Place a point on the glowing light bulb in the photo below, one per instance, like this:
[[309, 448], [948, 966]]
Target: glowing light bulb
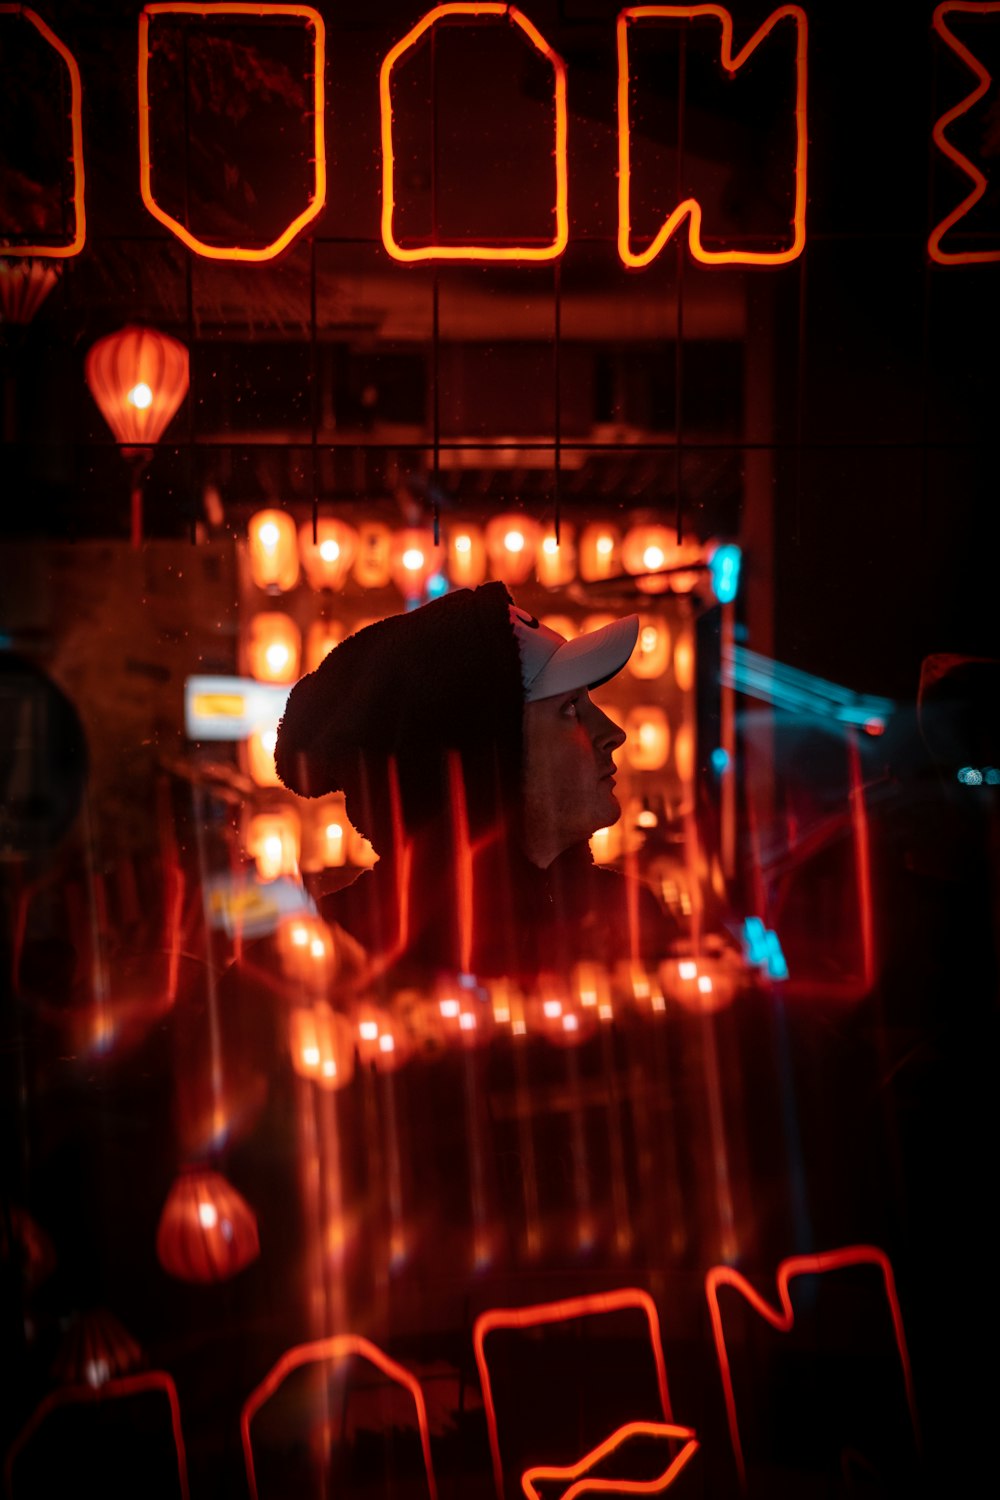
[[570, 1023], [387, 1042], [269, 739], [654, 557], [413, 559], [450, 1008], [310, 1056], [329, 1068], [317, 948], [208, 1215], [268, 535], [705, 984], [605, 545], [272, 848], [552, 1008], [368, 1031], [463, 544], [647, 638], [467, 1021], [329, 550], [686, 969], [514, 541], [550, 545], [141, 396], [277, 656]]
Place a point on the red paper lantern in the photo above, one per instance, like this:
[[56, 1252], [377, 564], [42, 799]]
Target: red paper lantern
[[24, 286], [207, 1231], [138, 377], [95, 1349]]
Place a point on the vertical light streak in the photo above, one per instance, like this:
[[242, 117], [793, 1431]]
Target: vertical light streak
[[717, 1135], [462, 852], [862, 857], [526, 1143]]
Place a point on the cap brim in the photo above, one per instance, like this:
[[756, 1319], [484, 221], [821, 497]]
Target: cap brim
[[588, 660]]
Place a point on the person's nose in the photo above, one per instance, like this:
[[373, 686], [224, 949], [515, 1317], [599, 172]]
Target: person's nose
[[607, 736]]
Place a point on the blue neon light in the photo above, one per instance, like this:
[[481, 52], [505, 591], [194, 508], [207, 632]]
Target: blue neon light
[[724, 566], [437, 585], [800, 692], [762, 949], [720, 760]]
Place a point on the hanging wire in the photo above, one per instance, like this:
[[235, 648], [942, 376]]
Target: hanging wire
[[679, 331]]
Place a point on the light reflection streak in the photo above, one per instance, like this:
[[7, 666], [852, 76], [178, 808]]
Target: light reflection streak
[[717, 1132], [526, 1144]]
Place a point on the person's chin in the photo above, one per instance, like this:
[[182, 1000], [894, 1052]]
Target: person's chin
[[614, 808]]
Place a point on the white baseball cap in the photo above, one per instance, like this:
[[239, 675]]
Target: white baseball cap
[[551, 664]]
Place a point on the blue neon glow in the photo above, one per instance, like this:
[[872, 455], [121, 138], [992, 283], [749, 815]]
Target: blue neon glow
[[991, 776], [799, 692], [762, 949], [720, 760], [437, 585], [969, 776], [724, 566]]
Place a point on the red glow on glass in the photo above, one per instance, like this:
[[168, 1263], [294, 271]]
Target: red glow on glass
[[474, 252], [316, 202], [207, 1230], [610, 1486], [976, 177], [340, 1346], [782, 1317], [60, 252], [561, 1312], [690, 208]]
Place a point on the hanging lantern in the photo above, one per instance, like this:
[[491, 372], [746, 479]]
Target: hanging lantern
[[648, 549], [591, 985], [321, 1043], [321, 637], [652, 648], [648, 742], [684, 663], [600, 546], [466, 556], [207, 1231], [555, 561], [684, 752], [371, 561], [380, 1043], [273, 647], [274, 557], [95, 1349], [138, 377], [326, 834], [24, 286], [561, 624], [261, 745], [272, 842], [306, 950], [327, 560], [512, 541], [413, 559], [596, 622]]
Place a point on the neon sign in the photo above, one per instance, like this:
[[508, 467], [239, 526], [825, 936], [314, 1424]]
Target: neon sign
[[474, 252], [690, 208], [313, 19], [976, 177], [581, 1471], [782, 1317], [60, 252]]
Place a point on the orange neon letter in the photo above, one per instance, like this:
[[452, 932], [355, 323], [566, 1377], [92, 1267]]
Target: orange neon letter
[[579, 1471], [60, 252], [782, 1317], [562, 1312], [474, 252], [311, 18], [691, 208], [978, 180], [340, 1346]]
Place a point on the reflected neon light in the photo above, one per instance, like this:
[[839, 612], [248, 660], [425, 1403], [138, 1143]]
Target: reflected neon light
[[782, 1317], [313, 19], [610, 1486], [561, 1312], [976, 177], [60, 252], [801, 692], [340, 1346], [474, 252], [690, 208]]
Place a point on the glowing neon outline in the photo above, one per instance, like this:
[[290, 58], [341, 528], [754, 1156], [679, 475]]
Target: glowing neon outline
[[318, 200], [122, 1385], [621, 1486], [978, 178], [474, 252], [690, 208], [60, 252], [783, 1318], [561, 1312], [338, 1346]]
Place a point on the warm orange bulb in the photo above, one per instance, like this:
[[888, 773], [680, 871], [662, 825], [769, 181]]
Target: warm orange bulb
[[599, 545], [648, 742], [272, 842], [512, 541], [466, 557], [555, 563], [274, 561], [273, 647], [327, 556]]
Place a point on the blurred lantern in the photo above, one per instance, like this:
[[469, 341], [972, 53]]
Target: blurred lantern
[[321, 638], [555, 562], [466, 556], [413, 557], [599, 551], [274, 557], [325, 835], [207, 1231], [272, 842], [648, 549], [96, 1348], [371, 561], [273, 647], [561, 624], [605, 844], [591, 985], [260, 756], [138, 377], [684, 663], [359, 850], [24, 286], [702, 985], [652, 648], [306, 950], [684, 752], [648, 742], [511, 541], [380, 1042], [321, 1043], [596, 622], [327, 559]]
